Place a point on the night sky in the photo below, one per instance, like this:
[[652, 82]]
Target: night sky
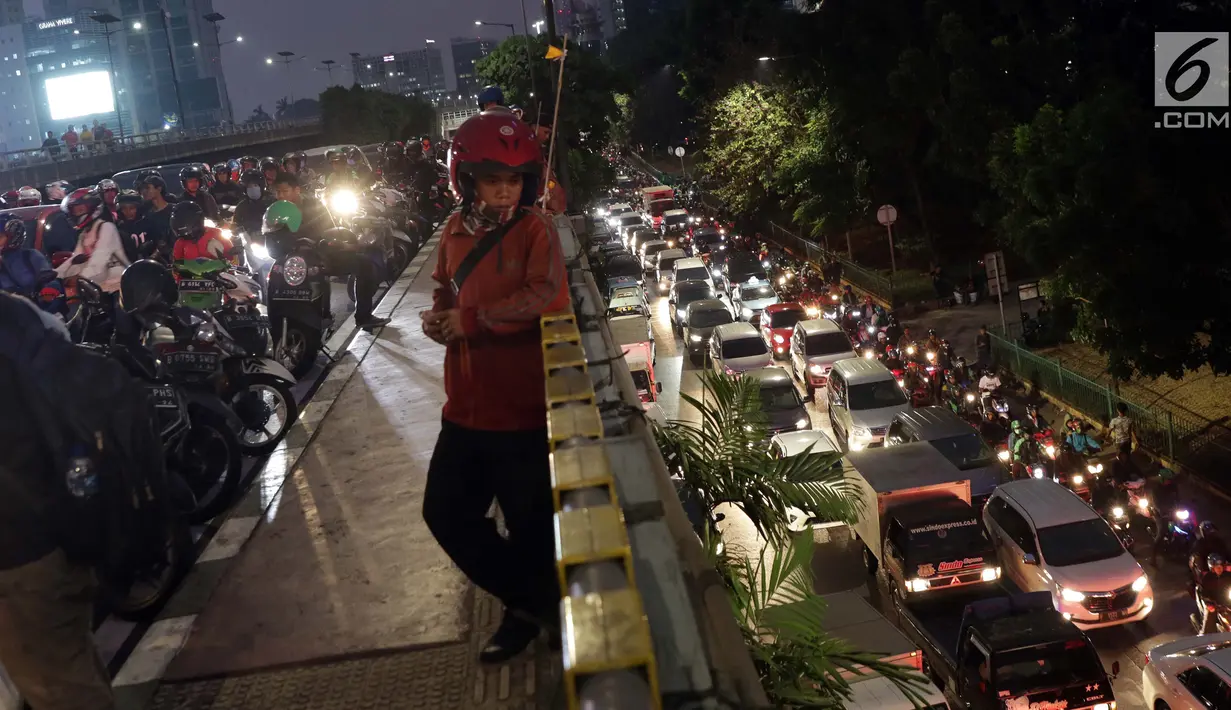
[[338, 28]]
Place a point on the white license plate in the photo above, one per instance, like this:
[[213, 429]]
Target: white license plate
[[291, 294], [199, 285], [184, 360], [163, 397]]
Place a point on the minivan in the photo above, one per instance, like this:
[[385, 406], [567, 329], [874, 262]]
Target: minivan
[[666, 268], [863, 398], [1048, 539], [737, 347], [700, 319], [815, 346], [649, 254], [691, 269], [684, 292]]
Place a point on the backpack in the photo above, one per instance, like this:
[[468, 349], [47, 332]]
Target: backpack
[[87, 404]]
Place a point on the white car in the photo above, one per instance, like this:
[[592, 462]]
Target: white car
[[1192, 673], [1050, 540], [794, 443]]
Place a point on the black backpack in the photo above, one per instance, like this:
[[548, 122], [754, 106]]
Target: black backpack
[[83, 402]]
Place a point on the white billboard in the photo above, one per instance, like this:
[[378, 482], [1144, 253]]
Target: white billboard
[[82, 94]]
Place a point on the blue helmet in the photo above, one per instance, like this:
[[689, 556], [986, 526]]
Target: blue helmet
[[490, 94]]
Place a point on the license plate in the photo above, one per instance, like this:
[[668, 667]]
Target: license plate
[[196, 361], [199, 285], [291, 294], [1113, 616], [241, 320], [163, 397]]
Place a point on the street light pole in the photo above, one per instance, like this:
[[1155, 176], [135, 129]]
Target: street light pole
[[214, 18], [329, 68], [106, 19], [175, 78]]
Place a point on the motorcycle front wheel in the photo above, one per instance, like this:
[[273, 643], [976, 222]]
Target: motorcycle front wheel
[[152, 588], [211, 465], [298, 354], [267, 408]]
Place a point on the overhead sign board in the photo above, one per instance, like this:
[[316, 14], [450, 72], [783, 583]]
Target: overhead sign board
[[51, 24]]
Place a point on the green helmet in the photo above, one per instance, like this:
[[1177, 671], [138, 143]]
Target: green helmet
[[1017, 426], [282, 215], [1165, 473]]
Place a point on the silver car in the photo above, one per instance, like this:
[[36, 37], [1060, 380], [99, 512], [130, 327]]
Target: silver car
[[749, 300]]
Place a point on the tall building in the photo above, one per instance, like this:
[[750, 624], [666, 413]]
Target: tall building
[[418, 71], [19, 126], [11, 12], [70, 74], [466, 52]]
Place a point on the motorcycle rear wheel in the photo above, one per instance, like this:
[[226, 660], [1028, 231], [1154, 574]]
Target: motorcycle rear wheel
[[147, 595], [212, 465]]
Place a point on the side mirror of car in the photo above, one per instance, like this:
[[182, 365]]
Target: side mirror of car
[[1115, 669], [658, 386], [1029, 559]]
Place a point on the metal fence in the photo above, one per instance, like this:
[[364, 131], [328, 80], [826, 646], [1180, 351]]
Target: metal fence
[[858, 276]]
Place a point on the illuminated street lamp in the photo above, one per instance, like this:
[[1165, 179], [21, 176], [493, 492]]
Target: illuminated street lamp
[[136, 25]]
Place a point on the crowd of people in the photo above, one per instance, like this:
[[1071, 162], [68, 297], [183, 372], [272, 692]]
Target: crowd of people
[[91, 139]]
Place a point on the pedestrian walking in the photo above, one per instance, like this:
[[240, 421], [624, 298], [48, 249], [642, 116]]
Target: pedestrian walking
[[1123, 430], [500, 268]]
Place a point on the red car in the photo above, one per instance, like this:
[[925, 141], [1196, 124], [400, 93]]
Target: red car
[[778, 323]]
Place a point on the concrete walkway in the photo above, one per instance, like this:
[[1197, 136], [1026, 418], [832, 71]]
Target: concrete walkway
[[338, 596]]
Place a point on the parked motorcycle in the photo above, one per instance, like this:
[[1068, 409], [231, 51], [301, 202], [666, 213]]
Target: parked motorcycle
[[297, 298]]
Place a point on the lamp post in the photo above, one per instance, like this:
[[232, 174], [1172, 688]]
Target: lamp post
[[526, 35], [175, 77], [106, 19], [214, 18], [286, 59]]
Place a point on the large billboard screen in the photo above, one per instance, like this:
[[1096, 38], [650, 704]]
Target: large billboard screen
[[82, 94]]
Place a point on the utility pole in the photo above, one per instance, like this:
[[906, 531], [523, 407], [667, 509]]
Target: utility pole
[[561, 166], [549, 16], [175, 79]]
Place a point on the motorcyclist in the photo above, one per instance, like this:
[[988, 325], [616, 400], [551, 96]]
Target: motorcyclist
[[393, 162], [99, 255], [128, 220], [934, 344], [250, 212], [1164, 491], [269, 171], [296, 163], [1018, 438], [359, 167], [157, 214], [316, 218], [56, 191], [893, 360], [989, 383], [848, 296], [893, 329], [109, 190], [1081, 441], [906, 342], [491, 97], [224, 190], [193, 178], [992, 429], [21, 269], [30, 196], [1212, 590], [193, 240], [1209, 540], [339, 172]]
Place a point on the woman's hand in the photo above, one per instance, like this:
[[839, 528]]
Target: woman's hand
[[433, 325]]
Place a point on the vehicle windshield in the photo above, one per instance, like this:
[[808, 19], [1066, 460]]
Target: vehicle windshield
[[966, 451], [659, 206], [947, 541], [743, 347], [1053, 665], [1078, 543], [675, 219], [876, 395], [778, 397], [785, 319], [755, 293], [709, 318], [666, 262], [630, 219], [627, 309], [620, 209], [626, 266], [652, 249], [695, 273], [641, 378], [707, 238], [826, 344]]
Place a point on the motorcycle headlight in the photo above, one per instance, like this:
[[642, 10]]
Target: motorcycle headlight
[[1071, 595], [716, 272], [816, 369], [209, 223], [1140, 583], [931, 356], [294, 271], [970, 397], [746, 312], [1051, 451], [869, 354], [902, 384], [259, 251], [344, 202], [1094, 468], [910, 349], [779, 338], [1003, 455], [1143, 503], [207, 333], [781, 280], [227, 234], [833, 297], [765, 264], [1182, 515], [1037, 471], [812, 312], [1078, 479], [1117, 512]]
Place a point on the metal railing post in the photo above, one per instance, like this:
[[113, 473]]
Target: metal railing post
[[1170, 435]]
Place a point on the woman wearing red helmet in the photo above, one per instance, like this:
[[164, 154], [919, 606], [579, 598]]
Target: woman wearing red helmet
[[99, 255], [499, 269]]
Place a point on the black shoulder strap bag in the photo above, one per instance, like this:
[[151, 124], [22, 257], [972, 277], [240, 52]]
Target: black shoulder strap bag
[[481, 249]]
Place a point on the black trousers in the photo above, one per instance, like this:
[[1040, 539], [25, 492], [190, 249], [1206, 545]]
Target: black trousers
[[469, 469], [367, 278]]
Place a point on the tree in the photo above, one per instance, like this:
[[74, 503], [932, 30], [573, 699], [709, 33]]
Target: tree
[[259, 115], [358, 115]]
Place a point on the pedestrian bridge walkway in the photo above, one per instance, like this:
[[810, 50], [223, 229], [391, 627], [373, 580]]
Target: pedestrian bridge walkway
[[325, 589]]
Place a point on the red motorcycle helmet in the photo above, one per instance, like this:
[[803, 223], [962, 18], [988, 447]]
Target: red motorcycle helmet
[[82, 206], [494, 141]]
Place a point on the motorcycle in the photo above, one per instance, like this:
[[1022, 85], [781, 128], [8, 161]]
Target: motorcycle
[[1217, 613], [995, 401], [297, 299], [1115, 510]]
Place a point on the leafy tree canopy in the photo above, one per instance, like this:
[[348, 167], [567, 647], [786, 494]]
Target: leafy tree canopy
[[358, 115]]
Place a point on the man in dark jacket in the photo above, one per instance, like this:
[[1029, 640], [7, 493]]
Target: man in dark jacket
[[250, 212], [316, 217], [223, 190]]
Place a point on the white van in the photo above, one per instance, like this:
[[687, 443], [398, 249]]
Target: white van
[[691, 269], [815, 346], [1049, 540], [863, 398]]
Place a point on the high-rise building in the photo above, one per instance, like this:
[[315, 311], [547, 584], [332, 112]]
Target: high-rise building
[[418, 71], [19, 126], [466, 52], [12, 12]]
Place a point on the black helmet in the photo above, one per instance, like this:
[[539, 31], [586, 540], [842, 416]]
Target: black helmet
[[192, 171], [249, 161], [252, 176], [268, 164], [1207, 528], [353, 153], [414, 149], [931, 331], [1216, 559], [147, 285], [223, 167], [154, 178], [13, 228], [128, 197], [187, 220]]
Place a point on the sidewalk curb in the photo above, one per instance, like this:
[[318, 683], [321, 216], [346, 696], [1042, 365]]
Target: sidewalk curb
[[137, 680]]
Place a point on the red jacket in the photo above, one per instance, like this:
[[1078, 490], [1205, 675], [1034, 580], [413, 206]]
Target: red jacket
[[210, 246], [494, 374]]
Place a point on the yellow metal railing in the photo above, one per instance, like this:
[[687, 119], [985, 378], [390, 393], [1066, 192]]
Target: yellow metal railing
[[606, 635]]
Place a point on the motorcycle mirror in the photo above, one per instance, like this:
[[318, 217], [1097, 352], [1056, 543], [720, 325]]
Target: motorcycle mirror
[[1115, 669]]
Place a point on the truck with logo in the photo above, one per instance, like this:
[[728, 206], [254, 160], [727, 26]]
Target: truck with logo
[[655, 201], [635, 339], [1010, 652]]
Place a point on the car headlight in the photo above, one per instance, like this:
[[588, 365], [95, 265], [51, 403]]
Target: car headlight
[[695, 338], [779, 338], [294, 271], [259, 251], [816, 369], [1003, 455], [917, 585], [860, 432], [1117, 512], [1140, 583], [813, 312], [344, 202], [991, 574], [803, 424], [207, 333], [1078, 479], [1071, 595]]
